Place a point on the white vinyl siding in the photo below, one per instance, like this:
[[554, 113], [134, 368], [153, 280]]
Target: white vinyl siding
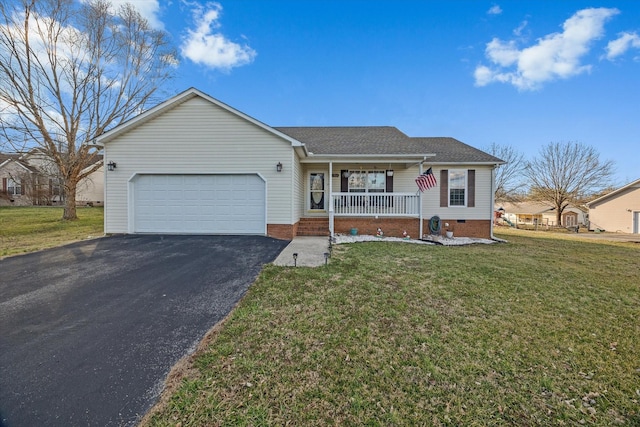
[[482, 209], [298, 189], [198, 137], [404, 182]]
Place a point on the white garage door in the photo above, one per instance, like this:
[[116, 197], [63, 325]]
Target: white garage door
[[199, 204]]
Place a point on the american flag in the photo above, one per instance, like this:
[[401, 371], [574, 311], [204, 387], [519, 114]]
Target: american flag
[[426, 180]]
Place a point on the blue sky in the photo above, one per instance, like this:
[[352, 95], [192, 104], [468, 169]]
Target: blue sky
[[519, 73]]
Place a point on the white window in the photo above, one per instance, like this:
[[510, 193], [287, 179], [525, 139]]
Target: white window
[[457, 187], [367, 181], [14, 188]]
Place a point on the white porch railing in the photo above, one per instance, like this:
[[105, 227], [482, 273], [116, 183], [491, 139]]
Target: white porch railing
[[372, 204]]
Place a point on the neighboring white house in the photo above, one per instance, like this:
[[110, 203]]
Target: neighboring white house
[[541, 214], [31, 179], [195, 165], [618, 211]]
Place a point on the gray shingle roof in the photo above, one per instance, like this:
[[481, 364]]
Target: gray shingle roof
[[383, 140], [6, 156], [349, 140], [451, 150]]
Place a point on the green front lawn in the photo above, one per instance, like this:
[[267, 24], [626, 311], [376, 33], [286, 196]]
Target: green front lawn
[[28, 229], [540, 331]]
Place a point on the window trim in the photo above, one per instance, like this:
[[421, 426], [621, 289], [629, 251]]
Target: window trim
[[15, 189], [382, 189], [465, 187]]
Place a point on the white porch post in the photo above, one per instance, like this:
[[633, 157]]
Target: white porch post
[[331, 233], [420, 202]]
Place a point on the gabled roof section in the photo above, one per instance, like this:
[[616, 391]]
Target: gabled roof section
[[350, 139], [7, 159], [177, 100], [634, 184], [450, 150], [385, 141], [6, 156]]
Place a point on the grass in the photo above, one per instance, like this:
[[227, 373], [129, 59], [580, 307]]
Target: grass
[[541, 331], [28, 229]]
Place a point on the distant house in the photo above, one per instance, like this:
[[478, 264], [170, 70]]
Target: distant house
[[31, 179], [618, 211], [195, 165], [541, 214], [14, 174]]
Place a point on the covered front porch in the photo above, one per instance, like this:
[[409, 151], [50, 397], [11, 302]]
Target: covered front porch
[[365, 191]]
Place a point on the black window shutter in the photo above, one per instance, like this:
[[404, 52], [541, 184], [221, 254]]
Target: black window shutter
[[344, 181], [389, 188], [444, 188], [471, 188]]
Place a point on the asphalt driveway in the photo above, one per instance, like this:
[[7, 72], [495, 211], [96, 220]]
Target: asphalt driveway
[[89, 331]]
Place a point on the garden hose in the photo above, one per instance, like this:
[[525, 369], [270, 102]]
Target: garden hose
[[434, 224]]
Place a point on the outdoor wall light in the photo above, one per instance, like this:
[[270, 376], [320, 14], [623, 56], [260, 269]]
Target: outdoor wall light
[[346, 174], [279, 167], [295, 259], [111, 166], [390, 173]]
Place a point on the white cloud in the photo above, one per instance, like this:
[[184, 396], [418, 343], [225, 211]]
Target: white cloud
[[494, 10], [521, 27], [204, 45], [620, 45], [554, 56]]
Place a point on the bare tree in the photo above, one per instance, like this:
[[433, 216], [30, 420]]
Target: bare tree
[[565, 172], [509, 176], [69, 71]]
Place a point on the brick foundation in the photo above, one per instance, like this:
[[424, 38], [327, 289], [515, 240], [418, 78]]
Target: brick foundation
[[470, 228], [282, 231], [393, 227]]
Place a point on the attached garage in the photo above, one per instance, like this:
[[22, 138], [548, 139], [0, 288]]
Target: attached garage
[[198, 203], [193, 165]]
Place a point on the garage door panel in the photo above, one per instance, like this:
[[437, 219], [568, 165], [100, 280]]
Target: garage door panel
[[199, 204]]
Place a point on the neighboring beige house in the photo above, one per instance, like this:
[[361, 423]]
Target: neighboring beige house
[[90, 190], [195, 165], [618, 211], [14, 174], [542, 214], [30, 179]]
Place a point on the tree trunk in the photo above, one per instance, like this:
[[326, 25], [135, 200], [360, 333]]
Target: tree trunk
[[69, 213], [559, 217]]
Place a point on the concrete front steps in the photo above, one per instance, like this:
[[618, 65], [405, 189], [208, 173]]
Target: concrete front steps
[[313, 227]]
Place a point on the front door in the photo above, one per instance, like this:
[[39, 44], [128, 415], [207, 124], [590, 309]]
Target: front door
[[317, 191]]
